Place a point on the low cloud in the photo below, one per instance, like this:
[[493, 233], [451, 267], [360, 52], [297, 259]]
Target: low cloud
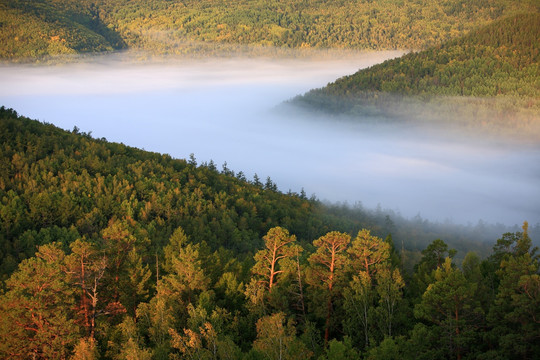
[[223, 109]]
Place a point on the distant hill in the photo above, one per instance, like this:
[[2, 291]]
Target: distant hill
[[33, 29], [499, 63], [500, 59]]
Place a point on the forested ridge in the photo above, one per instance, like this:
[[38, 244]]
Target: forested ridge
[[501, 60], [113, 252], [487, 82], [36, 29]]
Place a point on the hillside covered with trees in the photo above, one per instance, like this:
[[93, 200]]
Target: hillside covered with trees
[[112, 252], [490, 73], [33, 29]]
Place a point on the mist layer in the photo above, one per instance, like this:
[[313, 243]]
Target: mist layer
[[223, 109]]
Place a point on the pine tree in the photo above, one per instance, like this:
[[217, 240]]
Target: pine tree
[[186, 277], [277, 243], [327, 269], [450, 304], [86, 268], [37, 320]]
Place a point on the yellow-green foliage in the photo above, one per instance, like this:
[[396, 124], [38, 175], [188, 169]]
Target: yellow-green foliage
[[491, 74], [295, 23], [500, 59], [30, 30], [164, 26]]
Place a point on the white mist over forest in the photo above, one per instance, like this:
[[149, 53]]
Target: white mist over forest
[[224, 109]]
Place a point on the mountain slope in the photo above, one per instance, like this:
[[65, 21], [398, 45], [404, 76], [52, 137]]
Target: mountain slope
[[31, 30], [48, 27], [112, 252], [500, 59], [496, 67]]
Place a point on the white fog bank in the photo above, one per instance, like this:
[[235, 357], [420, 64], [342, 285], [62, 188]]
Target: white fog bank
[[221, 109]]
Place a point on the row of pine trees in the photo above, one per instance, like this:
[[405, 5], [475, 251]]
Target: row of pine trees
[[338, 298]]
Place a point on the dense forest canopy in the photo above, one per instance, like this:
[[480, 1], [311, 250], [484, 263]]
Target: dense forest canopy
[[112, 252], [502, 58], [490, 75], [34, 29]]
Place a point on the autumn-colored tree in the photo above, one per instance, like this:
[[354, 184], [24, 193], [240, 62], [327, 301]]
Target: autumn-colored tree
[[129, 345], [389, 288], [369, 254], [156, 318], [276, 339], [359, 298], [86, 349], [205, 338]]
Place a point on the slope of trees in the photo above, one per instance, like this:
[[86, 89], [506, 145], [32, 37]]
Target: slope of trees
[[500, 59], [489, 76], [49, 27], [112, 252], [59, 186], [61, 304], [34, 29]]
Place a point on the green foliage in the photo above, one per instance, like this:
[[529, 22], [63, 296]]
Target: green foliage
[[50, 27], [488, 77], [37, 314], [57, 186], [142, 256], [388, 349], [513, 316], [340, 350], [450, 303], [36, 29], [499, 59]]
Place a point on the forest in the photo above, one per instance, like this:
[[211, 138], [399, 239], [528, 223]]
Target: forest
[[112, 252], [497, 64], [36, 30]]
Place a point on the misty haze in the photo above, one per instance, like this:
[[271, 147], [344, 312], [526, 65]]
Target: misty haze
[[224, 110]]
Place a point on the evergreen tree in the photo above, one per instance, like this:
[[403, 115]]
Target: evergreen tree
[[276, 339], [327, 269], [449, 304], [86, 268], [515, 312], [36, 319]]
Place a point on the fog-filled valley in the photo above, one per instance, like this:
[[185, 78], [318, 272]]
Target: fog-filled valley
[[228, 110], [272, 179], [417, 243]]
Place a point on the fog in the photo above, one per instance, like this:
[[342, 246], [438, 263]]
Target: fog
[[224, 109]]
